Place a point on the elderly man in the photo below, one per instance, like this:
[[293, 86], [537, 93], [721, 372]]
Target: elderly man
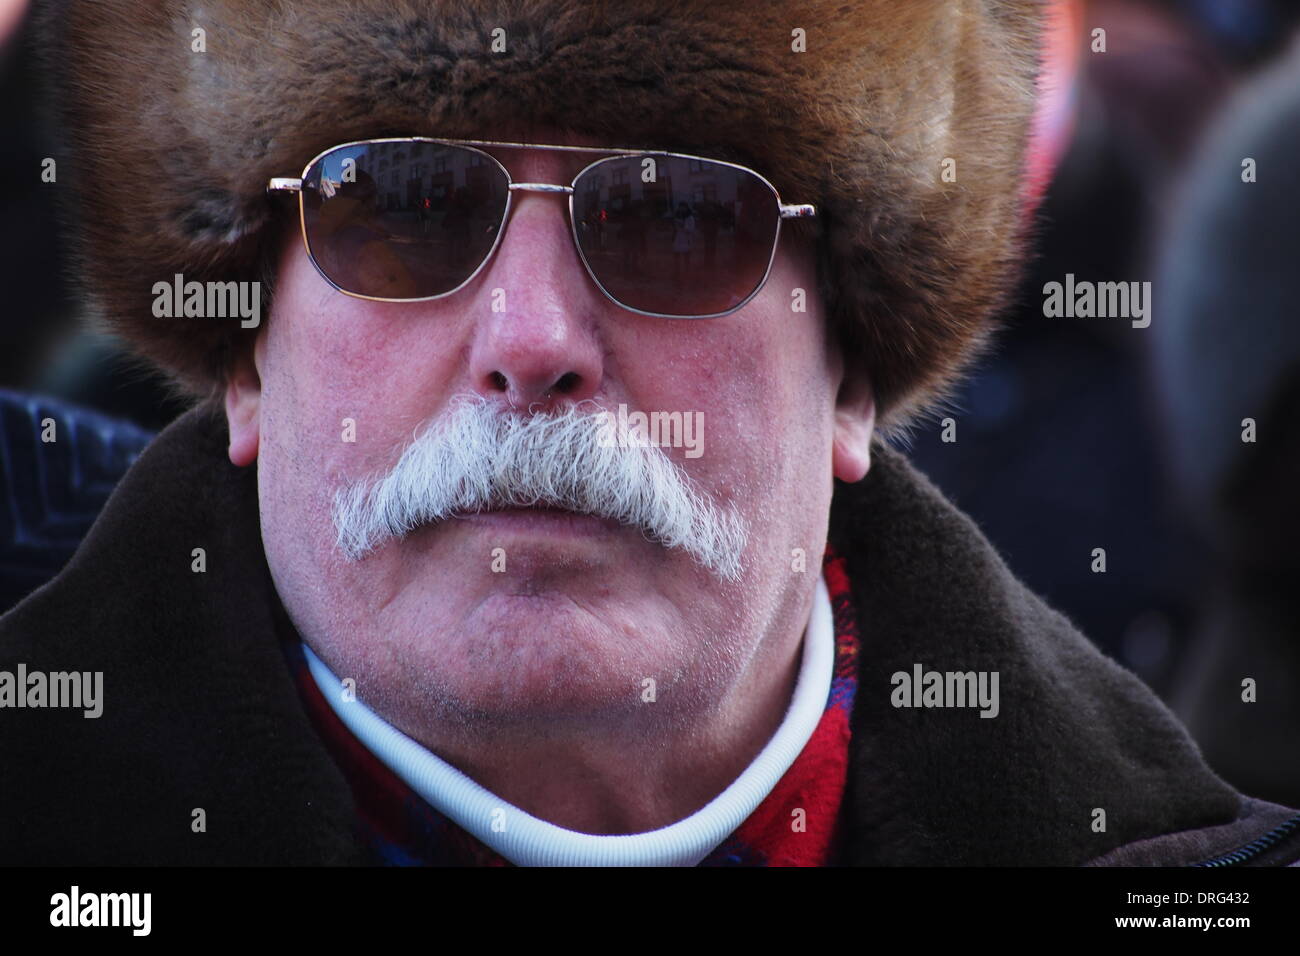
[[510, 531]]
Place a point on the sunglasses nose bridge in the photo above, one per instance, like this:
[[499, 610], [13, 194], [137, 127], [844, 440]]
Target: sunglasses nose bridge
[[556, 189], [559, 189], [540, 242], [540, 188]]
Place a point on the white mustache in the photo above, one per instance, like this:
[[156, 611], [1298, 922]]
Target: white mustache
[[477, 457]]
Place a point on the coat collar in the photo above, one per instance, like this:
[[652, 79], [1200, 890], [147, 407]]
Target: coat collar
[[1076, 735], [201, 711]]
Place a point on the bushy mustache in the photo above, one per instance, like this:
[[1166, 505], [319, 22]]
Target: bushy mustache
[[478, 457]]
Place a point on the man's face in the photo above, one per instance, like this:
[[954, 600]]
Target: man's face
[[521, 617]]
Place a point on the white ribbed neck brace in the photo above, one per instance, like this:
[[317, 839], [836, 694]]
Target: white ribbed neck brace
[[527, 841]]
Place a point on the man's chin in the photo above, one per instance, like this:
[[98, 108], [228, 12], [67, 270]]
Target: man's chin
[[542, 675], [545, 655], [497, 628]]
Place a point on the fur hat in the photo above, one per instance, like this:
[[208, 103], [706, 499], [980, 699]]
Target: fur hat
[[168, 151]]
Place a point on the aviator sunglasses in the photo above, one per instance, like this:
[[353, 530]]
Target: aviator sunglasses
[[662, 234]]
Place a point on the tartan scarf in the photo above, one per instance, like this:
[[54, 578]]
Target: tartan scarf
[[402, 829]]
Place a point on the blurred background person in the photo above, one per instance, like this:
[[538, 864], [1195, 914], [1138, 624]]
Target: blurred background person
[[1227, 362]]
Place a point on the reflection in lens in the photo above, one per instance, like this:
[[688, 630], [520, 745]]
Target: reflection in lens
[[403, 219], [676, 236]]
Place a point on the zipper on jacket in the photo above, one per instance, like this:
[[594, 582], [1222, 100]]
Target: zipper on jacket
[[1255, 847]]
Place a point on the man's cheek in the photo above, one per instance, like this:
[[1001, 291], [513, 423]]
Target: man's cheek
[[349, 359], [329, 343], [303, 456]]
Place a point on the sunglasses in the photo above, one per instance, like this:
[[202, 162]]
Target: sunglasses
[[662, 234]]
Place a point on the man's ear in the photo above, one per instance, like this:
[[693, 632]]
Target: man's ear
[[244, 402], [855, 420]]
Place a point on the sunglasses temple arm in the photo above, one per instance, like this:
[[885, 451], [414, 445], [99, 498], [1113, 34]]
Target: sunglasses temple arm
[[803, 211], [284, 184]]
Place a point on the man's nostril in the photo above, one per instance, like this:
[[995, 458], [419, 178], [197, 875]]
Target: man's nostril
[[567, 382], [499, 381]]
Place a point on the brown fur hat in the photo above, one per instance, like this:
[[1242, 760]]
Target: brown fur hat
[[168, 151]]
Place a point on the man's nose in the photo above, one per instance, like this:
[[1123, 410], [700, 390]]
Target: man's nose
[[537, 339]]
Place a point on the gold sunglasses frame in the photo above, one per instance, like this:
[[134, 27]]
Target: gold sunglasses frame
[[281, 184]]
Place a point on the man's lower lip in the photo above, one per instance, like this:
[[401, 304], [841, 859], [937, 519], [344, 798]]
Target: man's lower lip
[[543, 520]]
